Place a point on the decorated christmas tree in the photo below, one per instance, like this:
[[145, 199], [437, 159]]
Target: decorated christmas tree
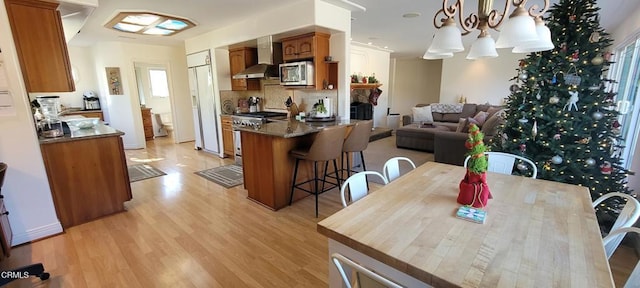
[[560, 113]]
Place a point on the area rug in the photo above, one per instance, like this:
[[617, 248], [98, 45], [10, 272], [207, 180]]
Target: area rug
[[139, 172], [227, 176], [378, 152]]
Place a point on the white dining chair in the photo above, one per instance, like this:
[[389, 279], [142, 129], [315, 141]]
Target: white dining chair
[[634, 278], [357, 185], [391, 168], [627, 217], [502, 163], [363, 276]]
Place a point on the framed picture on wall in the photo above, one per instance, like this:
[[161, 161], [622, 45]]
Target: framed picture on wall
[[114, 80]]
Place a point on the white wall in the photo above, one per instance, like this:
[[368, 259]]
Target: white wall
[[480, 81], [26, 188], [369, 61], [82, 62], [414, 81], [122, 111], [630, 28]]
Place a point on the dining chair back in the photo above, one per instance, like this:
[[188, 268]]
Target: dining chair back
[[363, 276], [357, 185], [391, 168], [502, 163], [627, 217], [634, 277]]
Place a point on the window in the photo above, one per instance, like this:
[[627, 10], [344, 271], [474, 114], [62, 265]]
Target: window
[[626, 70], [159, 84]]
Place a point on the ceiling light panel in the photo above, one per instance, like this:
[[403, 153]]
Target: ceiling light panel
[[148, 23]]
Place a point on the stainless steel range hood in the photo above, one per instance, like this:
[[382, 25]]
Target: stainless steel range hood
[[269, 56]]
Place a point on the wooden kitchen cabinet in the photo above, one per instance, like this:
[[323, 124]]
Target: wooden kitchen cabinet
[[240, 59], [227, 135], [41, 46], [313, 47], [147, 124], [88, 177]]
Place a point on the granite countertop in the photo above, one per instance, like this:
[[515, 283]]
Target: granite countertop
[[97, 131], [294, 128]]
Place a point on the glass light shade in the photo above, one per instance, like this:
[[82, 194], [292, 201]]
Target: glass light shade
[[172, 24], [141, 19], [543, 43], [431, 56], [127, 27], [448, 39], [483, 47], [519, 29]]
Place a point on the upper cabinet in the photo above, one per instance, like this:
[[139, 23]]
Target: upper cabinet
[[313, 47], [40, 43], [240, 59]]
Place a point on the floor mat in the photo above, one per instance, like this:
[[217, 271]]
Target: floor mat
[[139, 172], [227, 176]]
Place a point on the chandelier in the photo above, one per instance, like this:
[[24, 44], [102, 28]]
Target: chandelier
[[524, 30]]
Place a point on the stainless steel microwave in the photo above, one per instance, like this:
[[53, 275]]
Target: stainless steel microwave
[[297, 73]]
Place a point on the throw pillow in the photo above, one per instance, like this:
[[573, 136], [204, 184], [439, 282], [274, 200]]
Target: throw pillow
[[462, 123], [492, 110], [422, 115], [480, 117], [490, 126]]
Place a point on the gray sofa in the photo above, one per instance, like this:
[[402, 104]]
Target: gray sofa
[[441, 137]]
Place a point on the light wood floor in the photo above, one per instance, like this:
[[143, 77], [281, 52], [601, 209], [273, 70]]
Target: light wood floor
[[181, 230]]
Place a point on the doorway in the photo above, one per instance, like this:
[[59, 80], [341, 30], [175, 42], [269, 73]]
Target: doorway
[[154, 93]]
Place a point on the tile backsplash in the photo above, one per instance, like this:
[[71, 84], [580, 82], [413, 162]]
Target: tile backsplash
[[274, 96]]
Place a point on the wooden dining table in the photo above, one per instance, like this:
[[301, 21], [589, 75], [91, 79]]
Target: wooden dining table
[[537, 233]]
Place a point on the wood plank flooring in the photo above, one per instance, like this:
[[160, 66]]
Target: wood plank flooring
[[181, 230]]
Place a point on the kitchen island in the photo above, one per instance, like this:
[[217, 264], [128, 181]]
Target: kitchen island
[[87, 173], [267, 166]]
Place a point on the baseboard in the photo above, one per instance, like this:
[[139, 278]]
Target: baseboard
[[37, 233]]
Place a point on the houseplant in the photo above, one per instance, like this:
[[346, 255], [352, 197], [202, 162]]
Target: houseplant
[[474, 190]]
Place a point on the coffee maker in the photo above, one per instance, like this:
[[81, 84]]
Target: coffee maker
[[91, 101]]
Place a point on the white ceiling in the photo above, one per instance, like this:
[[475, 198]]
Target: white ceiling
[[382, 22]]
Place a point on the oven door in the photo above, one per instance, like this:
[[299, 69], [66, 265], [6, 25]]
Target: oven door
[[237, 147]]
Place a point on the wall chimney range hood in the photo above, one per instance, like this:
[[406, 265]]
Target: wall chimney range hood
[[269, 56]]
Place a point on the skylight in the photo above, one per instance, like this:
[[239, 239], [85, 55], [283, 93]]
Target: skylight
[[148, 23]]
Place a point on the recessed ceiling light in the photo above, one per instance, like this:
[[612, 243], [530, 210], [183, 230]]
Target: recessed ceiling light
[[148, 23], [370, 43], [411, 15], [386, 47]]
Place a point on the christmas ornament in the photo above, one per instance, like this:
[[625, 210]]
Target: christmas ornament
[[522, 167], [597, 115], [598, 60], [554, 100], [523, 75], [514, 88], [522, 63], [606, 168], [556, 137], [538, 96], [572, 78], [523, 147], [575, 56], [616, 127], [595, 37], [572, 102], [607, 55], [556, 159], [534, 129], [590, 162], [547, 166], [572, 18], [523, 120], [554, 80], [563, 47], [584, 141], [594, 88]]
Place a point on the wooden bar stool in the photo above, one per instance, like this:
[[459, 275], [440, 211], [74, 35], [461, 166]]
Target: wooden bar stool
[[323, 149], [357, 141]]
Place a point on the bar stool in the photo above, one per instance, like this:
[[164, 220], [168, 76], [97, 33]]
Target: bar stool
[[324, 149], [357, 141]]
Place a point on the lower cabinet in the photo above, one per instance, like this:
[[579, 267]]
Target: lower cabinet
[[227, 135], [88, 178]]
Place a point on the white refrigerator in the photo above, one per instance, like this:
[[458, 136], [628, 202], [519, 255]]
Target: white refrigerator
[[203, 101]]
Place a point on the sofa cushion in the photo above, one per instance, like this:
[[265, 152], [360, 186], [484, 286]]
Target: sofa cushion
[[437, 116], [492, 110], [422, 115], [462, 123]]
